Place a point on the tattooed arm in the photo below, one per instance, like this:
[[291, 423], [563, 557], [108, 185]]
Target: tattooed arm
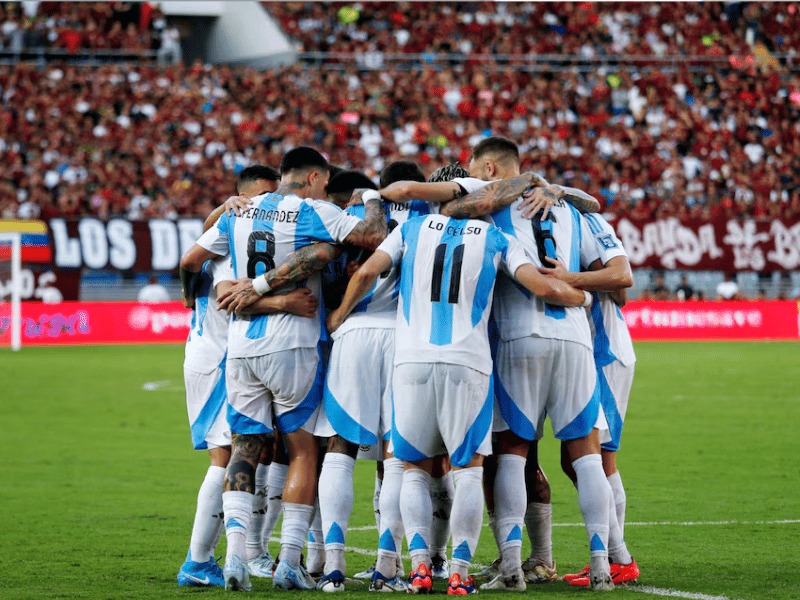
[[301, 264], [371, 231], [542, 198], [491, 198]]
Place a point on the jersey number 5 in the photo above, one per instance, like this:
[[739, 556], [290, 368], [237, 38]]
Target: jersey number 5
[[260, 250], [455, 273]]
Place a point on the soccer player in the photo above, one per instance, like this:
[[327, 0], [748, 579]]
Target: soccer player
[[206, 398], [272, 371], [443, 367], [543, 362], [608, 277], [357, 406]]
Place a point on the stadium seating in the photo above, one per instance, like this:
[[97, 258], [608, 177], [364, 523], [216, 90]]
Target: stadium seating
[[657, 120]]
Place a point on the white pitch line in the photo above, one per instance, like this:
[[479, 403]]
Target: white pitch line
[[674, 523], [672, 593]]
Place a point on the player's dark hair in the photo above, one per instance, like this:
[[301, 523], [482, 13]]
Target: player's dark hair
[[401, 170], [448, 173], [256, 172], [333, 171], [347, 181], [302, 157], [496, 145]]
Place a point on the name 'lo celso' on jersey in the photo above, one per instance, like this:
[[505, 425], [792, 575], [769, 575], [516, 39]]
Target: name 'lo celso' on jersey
[[448, 273], [264, 236]]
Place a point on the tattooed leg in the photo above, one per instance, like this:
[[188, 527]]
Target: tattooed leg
[[241, 473]]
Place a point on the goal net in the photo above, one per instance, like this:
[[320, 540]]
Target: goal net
[[10, 287]]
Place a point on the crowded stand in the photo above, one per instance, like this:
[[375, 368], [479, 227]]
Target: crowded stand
[[715, 134]]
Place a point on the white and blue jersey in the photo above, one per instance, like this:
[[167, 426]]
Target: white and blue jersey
[[379, 307], [612, 340], [562, 236], [204, 363], [448, 274], [264, 236]]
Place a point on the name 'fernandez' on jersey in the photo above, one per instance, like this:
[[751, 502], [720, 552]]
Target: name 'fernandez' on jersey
[[449, 268], [275, 227]]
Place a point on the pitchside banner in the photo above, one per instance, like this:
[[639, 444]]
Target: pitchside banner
[[719, 245], [85, 323]]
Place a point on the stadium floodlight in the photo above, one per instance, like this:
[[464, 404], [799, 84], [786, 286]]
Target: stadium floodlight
[[11, 251]]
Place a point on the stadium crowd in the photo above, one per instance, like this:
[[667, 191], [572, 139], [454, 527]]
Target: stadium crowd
[[693, 139]]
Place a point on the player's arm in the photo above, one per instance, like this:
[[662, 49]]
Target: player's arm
[[490, 198], [371, 231], [550, 289], [545, 196], [360, 283], [299, 302], [190, 267], [615, 275], [405, 191], [300, 265]]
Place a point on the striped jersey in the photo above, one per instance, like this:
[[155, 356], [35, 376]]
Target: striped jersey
[[448, 272], [264, 236], [612, 340], [563, 236], [208, 336], [378, 309]]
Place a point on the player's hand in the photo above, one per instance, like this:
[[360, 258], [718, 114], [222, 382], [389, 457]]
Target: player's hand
[[239, 296], [187, 302], [356, 198], [236, 204], [539, 198], [300, 302], [335, 320], [557, 270]]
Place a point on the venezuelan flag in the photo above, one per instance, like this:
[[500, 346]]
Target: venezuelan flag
[[35, 241]]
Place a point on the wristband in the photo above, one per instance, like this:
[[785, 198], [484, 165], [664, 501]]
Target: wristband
[[587, 299], [370, 195], [191, 282], [260, 285]]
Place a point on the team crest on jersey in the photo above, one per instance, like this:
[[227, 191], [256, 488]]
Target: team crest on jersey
[[607, 241]]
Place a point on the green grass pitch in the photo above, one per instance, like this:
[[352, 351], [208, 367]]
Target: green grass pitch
[[99, 480]]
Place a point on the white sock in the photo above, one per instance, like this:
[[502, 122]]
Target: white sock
[[539, 523], [254, 543], [615, 481], [442, 492], [391, 536], [208, 516], [276, 479], [376, 499], [617, 550], [296, 521], [336, 506], [417, 512], [594, 498], [509, 509], [316, 543], [466, 517], [238, 507]]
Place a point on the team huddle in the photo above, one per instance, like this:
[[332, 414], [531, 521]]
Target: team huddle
[[436, 323]]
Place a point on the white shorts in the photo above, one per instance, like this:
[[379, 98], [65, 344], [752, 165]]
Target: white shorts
[[357, 401], [281, 389], [441, 409], [206, 403], [614, 381], [534, 375]]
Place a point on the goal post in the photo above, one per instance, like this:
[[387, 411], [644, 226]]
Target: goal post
[[11, 284]]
